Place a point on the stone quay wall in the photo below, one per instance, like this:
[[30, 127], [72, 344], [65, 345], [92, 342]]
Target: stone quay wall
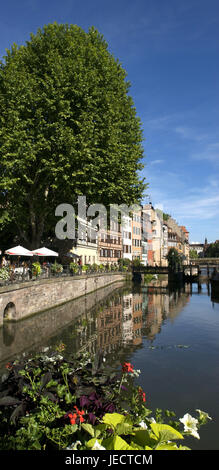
[[42, 328], [21, 300]]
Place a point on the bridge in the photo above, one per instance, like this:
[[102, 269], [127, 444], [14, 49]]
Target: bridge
[[212, 262], [150, 269], [186, 272], [193, 269]]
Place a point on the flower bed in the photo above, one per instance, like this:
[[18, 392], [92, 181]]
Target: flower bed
[[49, 403]]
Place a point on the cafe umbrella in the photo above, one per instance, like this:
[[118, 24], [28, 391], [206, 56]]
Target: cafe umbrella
[[18, 251], [44, 252]]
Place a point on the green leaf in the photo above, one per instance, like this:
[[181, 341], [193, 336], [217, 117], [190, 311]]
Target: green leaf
[[116, 443], [113, 419], [124, 428], [144, 438], [164, 432], [167, 446], [183, 448], [89, 428], [91, 442]]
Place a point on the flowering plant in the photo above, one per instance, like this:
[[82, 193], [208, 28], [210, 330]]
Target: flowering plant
[[82, 404]]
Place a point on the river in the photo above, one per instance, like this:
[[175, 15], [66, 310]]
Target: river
[[172, 336]]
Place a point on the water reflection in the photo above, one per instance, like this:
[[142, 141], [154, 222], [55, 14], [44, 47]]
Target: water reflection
[[110, 320]]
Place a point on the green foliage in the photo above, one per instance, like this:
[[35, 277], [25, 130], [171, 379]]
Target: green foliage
[[55, 406], [56, 268], [4, 273], [166, 216], [74, 267], [212, 251], [85, 267], [101, 267], [149, 277], [174, 259], [193, 254], [36, 269], [68, 127], [94, 268]]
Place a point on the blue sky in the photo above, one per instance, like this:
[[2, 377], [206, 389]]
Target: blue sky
[[170, 50]]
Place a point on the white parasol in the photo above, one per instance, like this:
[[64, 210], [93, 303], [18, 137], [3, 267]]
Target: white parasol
[[44, 252], [18, 251]]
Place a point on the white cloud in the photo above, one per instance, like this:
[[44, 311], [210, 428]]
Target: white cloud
[[209, 153], [156, 162], [189, 133]]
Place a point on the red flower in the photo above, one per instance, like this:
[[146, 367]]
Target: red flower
[[75, 416], [127, 367], [9, 365], [142, 394]]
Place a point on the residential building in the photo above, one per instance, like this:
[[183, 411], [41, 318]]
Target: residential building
[[155, 235], [186, 248], [165, 244], [147, 236], [198, 247], [110, 244], [146, 226], [178, 238], [136, 236], [87, 246], [127, 237]]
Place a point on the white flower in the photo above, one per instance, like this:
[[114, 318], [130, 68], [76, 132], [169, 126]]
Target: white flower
[[203, 416], [152, 420], [143, 425], [97, 446], [136, 372], [190, 425], [59, 357], [194, 433], [74, 445]]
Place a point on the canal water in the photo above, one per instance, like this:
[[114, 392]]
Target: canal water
[[171, 335]]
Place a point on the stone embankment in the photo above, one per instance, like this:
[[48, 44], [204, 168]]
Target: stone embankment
[[18, 301]]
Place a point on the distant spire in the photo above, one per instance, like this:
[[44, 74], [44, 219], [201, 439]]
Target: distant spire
[[206, 241]]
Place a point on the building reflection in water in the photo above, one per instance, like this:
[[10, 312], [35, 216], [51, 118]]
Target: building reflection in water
[[110, 323], [126, 318]]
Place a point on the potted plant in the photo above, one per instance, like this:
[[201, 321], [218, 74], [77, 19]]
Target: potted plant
[[56, 268], [4, 273], [36, 269], [85, 268], [74, 268]]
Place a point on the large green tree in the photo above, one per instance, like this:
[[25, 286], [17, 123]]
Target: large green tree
[[68, 127]]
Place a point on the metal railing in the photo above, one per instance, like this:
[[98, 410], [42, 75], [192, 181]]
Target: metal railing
[[20, 275]]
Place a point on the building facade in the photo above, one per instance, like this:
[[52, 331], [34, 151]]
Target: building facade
[[110, 248], [87, 246], [127, 237], [136, 236]]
